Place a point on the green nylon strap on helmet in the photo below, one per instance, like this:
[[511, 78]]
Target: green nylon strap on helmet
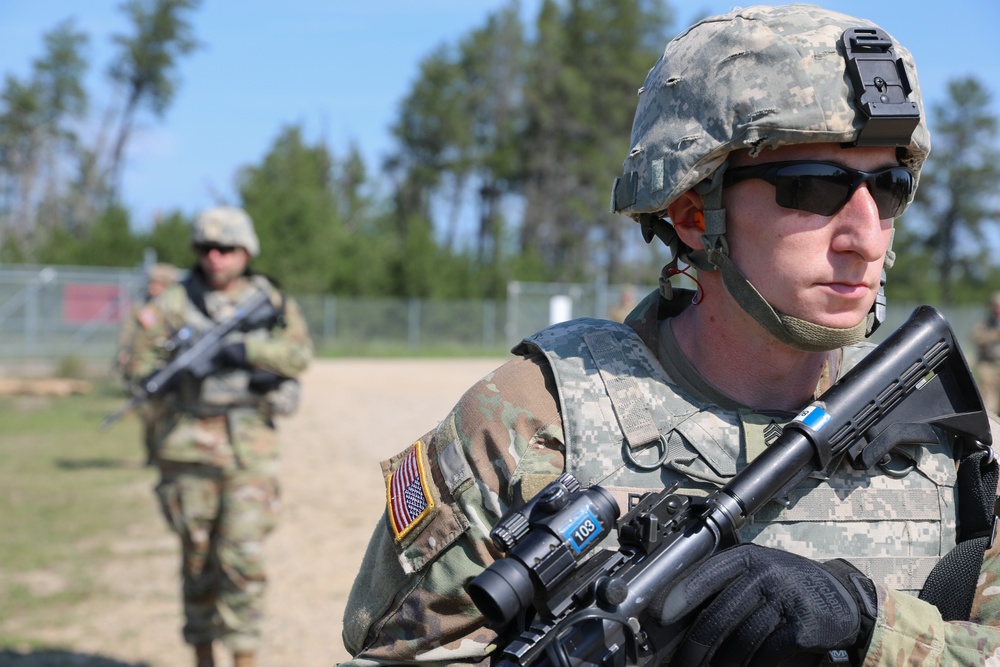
[[714, 238], [791, 331]]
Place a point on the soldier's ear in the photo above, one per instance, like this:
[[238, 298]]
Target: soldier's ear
[[687, 217]]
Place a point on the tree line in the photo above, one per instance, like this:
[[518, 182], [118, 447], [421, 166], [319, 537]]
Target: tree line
[[505, 146]]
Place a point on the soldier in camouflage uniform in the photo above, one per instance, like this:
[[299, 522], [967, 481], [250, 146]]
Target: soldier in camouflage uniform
[[754, 160], [158, 278], [215, 441], [986, 336]]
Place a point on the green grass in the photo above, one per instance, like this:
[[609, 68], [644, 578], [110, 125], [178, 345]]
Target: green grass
[[66, 491]]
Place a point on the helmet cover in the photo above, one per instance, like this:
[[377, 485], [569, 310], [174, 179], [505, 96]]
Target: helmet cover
[[755, 78], [226, 225], [166, 274]]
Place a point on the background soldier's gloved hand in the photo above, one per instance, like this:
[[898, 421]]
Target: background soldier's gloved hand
[[751, 605], [232, 355]]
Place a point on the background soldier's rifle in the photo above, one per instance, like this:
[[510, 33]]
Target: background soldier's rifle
[[195, 354], [553, 606]]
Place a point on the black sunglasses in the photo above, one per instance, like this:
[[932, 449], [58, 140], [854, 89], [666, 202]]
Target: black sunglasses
[[204, 249], [824, 187]]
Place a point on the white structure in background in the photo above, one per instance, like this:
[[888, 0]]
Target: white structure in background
[[560, 308]]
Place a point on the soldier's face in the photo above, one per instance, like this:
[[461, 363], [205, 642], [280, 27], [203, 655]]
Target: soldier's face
[[221, 264], [823, 269], [155, 288]]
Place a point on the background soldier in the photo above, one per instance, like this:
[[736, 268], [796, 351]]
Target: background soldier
[[215, 440], [158, 278], [986, 336], [754, 158], [626, 302]]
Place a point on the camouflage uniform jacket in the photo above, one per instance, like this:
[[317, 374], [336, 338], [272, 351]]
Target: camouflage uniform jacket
[[505, 440], [223, 420], [986, 336]]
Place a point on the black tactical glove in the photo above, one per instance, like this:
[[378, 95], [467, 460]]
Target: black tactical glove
[[232, 355], [751, 605]]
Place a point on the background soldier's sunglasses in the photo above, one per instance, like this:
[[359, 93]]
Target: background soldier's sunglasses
[[824, 187], [205, 248]]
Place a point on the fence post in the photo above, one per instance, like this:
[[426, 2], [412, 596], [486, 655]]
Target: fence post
[[128, 296], [602, 304], [511, 326], [489, 323], [329, 318], [31, 314], [413, 324], [32, 295]]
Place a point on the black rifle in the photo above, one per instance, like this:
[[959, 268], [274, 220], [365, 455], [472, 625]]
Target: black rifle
[[576, 611], [195, 354]]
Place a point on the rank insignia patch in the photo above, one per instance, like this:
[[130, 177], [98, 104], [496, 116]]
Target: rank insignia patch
[[408, 497], [771, 433]]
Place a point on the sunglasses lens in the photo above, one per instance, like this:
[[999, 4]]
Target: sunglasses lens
[[825, 188], [221, 249], [816, 188], [892, 192]]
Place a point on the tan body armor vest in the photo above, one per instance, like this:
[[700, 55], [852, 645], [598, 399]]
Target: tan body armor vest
[[629, 428]]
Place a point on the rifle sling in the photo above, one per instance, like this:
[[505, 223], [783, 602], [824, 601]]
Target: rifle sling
[[195, 288], [951, 586]]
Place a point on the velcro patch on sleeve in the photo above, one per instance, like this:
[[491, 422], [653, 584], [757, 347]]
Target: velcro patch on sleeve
[[408, 495]]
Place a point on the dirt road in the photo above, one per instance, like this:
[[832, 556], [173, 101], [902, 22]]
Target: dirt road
[[354, 414]]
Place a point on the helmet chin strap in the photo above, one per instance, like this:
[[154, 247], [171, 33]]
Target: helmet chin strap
[[791, 331]]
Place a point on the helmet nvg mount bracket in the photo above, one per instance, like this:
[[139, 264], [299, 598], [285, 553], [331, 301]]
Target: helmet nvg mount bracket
[[881, 88]]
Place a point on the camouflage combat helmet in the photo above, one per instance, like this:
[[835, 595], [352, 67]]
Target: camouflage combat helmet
[[226, 225], [162, 273], [758, 78]]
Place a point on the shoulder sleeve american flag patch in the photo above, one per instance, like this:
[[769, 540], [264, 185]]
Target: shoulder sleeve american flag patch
[[408, 498]]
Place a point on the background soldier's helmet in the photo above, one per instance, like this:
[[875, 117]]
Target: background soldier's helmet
[[226, 225], [754, 78], [166, 274]]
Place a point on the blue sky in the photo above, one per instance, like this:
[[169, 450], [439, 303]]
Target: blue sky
[[341, 68]]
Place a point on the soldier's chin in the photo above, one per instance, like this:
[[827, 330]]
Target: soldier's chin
[[217, 280]]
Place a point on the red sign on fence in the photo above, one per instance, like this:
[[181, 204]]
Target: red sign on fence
[[84, 303]]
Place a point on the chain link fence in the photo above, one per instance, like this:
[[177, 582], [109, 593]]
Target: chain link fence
[[52, 313]]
